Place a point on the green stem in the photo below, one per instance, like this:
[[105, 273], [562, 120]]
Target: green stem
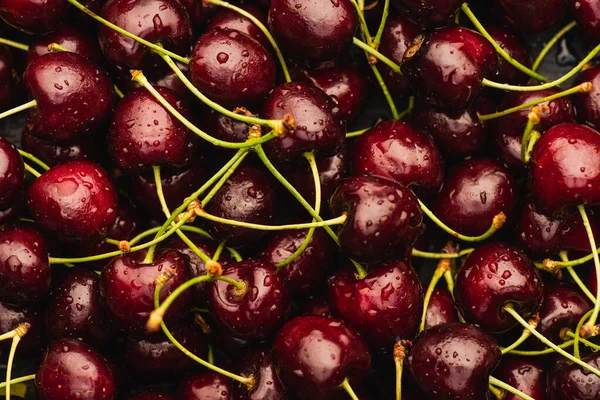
[[118, 92], [524, 336], [551, 44], [346, 386], [33, 158], [236, 254], [112, 241], [219, 250], [22, 107], [356, 133], [536, 353], [222, 181], [534, 136], [563, 256], [510, 389], [393, 66], [153, 231], [496, 392], [318, 224], [32, 171], [409, 108], [586, 223], [450, 284], [9, 363], [437, 275], [386, 92], [164, 307], [57, 47], [384, 17], [425, 254], [22, 379], [14, 44], [399, 364]]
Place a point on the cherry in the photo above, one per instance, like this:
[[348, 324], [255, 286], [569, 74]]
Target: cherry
[[564, 169], [74, 308], [56, 153], [318, 123], [225, 128], [400, 151], [231, 68], [441, 309], [567, 380], [70, 38], [492, 276], [161, 21], [206, 386], [247, 196], [429, 13], [384, 306], [311, 267], [474, 192], [267, 385], [12, 316], [532, 16], [143, 133], [256, 310], [74, 201], [232, 20], [127, 288], [24, 268], [199, 12], [7, 86], [315, 354], [453, 361], [151, 395], [32, 16], [313, 30], [574, 235], [588, 111], [12, 172], [384, 218], [587, 14], [526, 374], [515, 48], [455, 52], [538, 235], [72, 370]]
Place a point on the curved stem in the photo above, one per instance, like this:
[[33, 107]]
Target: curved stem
[[577, 337], [14, 44], [32, 171], [425, 254], [465, 8], [9, 363], [236, 254], [22, 107], [393, 66], [222, 181], [153, 231], [318, 224], [563, 256], [443, 266], [386, 92], [551, 44], [497, 223], [346, 386], [534, 136], [218, 251], [118, 92], [508, 388], [384, 17], [356, 133], [498, 393], [524, 336], [409, 107], [536, 353], [21, 379], [33, 158], [590, 324], [587, 343]]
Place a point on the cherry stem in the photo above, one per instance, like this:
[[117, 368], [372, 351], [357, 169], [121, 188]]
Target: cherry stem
[[465, 8], [158, 49], [577, 337], [409, 107], [533, 323], [118, 92], [236, 254], [534, 136], [33, 158], [551, 265], [508, 388], [509, 309], [310, 157], [551, 44], [222, 181], [263, 29], [533, 118], [57, 47], [153, 231], [356, 133], [19, 332], [581, 88], [498, 393], [536, 353], [218, 251], [21, 379], [450, 285], [14, 44], [386, 92], [138, 76], [393, 66], [497, 223], [384, 17], [112, 241], [425, 254], [399, 356], [590, 328], [563, 256], [22, 107], [442, 267], [31, 170], [346, 386]]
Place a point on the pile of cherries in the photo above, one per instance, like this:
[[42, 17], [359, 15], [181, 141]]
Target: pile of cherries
[[190, 217]]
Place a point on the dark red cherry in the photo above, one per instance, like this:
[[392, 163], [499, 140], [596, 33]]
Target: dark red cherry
[[508, 130], [473, 193], [7, 86], [441, 309], [587, 15], [74, 97], [567, 380], [232, 20], [538, 235], [74, 202], [72, 370], [199, 12], [161, 21], [515, 48], [258, 309], [267, 384], [574, 234], [12, 173], [565, 169], [384, 218], [313, 30], [151, 395], [225, 128], [384, 306], [531, 16], [11, 316], [311, 267], [248, 196], [400, 151], [492, 276], [206, 386], [33, 16], [24, 268], [588, 104], [429, 13], [445, 69], [231, 68], [56, 153], [127, 288], [318, 123], [70, 38], [74, 308], [315, 354], [398, 35], [453, 361], [526, 374]]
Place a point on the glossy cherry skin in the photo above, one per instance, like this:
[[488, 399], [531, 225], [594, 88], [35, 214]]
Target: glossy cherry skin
[[72, 370], [143, 133], [12, 172], [453, 361], [32, 16], [398, 35], [24, 268], [526, 374], [154, 20], [231, 68], [315, 354], [74, 308], [445, 68], [249, 196], [74, 202], [567, 380], [56, 153], [313, 30], [151, 395], [74, 97], [206, 386], [537, 234], [514, 46], [11, 316], [8, 89], [473, 193], [267, 384], [441, 309], [531, 16], [492, 276], [429, 13], [311, 267], [384, 218], [565, 169], [383, 307], [232, 20], [574, 235], [587, 15], [588, 104], [127, 288], [318, 124], [399, 151], [257, 312], [70, 38]]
